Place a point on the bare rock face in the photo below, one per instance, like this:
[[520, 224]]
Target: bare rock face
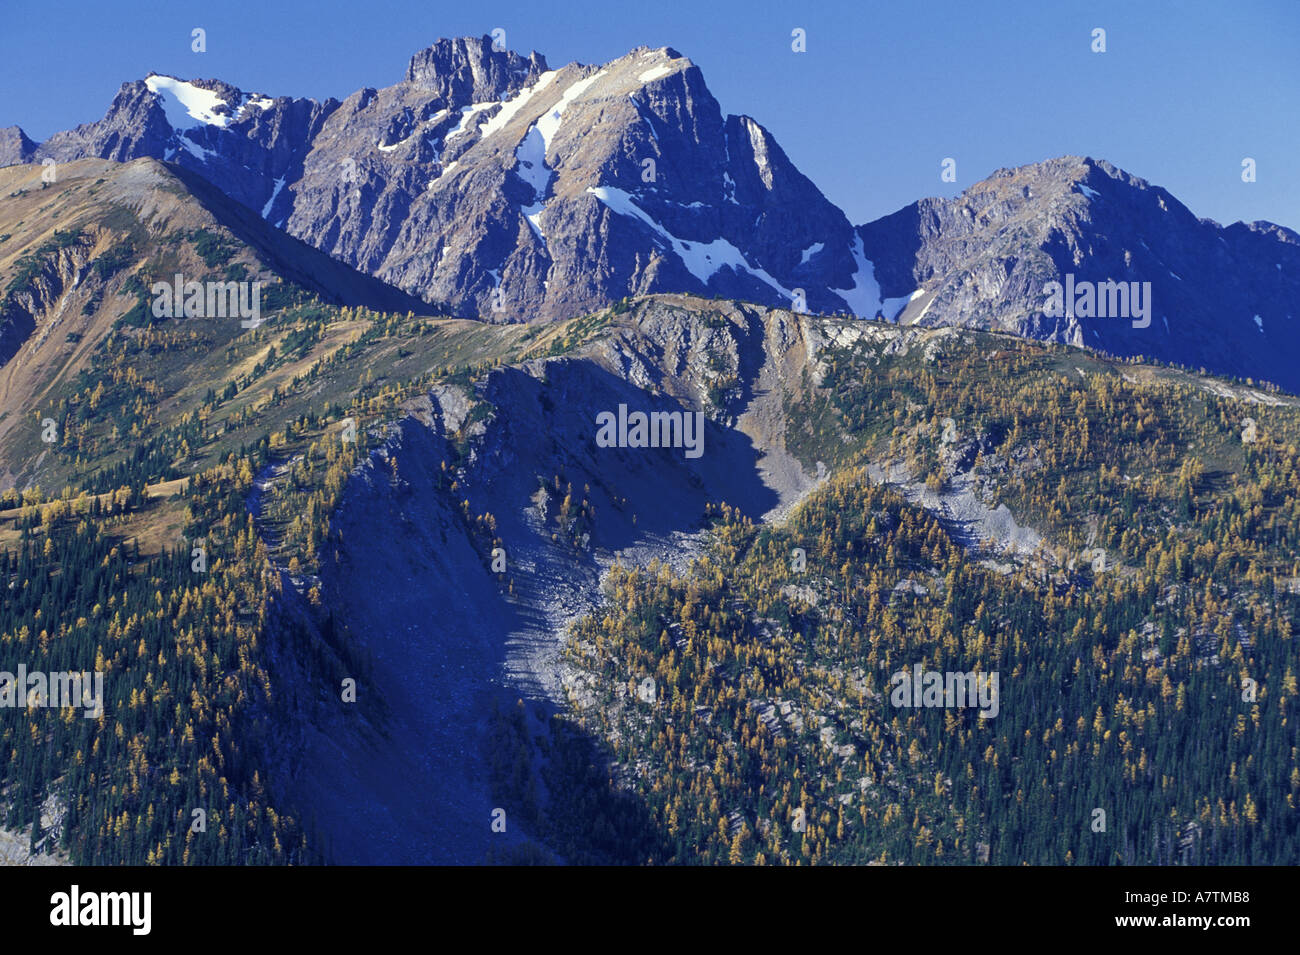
[[1220, 298], [134, 126], [491, 185], [470, 71], [512, 194], [15, 147]]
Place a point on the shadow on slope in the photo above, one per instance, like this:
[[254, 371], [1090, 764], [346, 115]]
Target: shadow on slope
[[453, 646]]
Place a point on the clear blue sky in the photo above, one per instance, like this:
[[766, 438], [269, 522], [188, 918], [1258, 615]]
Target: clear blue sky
[[1186, 89]]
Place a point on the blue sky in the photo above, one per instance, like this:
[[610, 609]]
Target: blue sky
[[885, 91]]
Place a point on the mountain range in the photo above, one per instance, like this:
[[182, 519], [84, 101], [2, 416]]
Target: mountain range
[[489, 185], [370, 582]]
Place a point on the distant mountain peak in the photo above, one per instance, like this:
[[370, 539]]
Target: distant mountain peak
[[1214, 297]]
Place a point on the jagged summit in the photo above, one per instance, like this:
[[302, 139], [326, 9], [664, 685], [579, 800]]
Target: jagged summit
[[471, 68], [487, 180]]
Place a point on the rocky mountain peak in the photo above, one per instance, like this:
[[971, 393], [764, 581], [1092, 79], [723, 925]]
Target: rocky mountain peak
[[1194, 292], [468, 70], [15, 147]]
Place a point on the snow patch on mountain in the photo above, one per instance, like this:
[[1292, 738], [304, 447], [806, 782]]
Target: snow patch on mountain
[[266, 209], [531, 154], [891, 308], [549, 124], [186, 105], [531, 168], [511, 107], [653, 74], [533, 216], [467, 115], [702, 259], [193, 148], [254, 101], [758, 145], [729, 188], [863, 298]]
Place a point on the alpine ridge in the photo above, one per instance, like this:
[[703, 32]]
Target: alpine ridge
[[490, 185]]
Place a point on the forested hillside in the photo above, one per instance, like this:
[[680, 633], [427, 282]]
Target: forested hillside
[[1145, 650], [1115, 540]]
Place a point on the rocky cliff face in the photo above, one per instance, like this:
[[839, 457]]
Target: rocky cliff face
[[490, 184], [1220, 298], [471, 71], [556, 192], [15, 147]]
